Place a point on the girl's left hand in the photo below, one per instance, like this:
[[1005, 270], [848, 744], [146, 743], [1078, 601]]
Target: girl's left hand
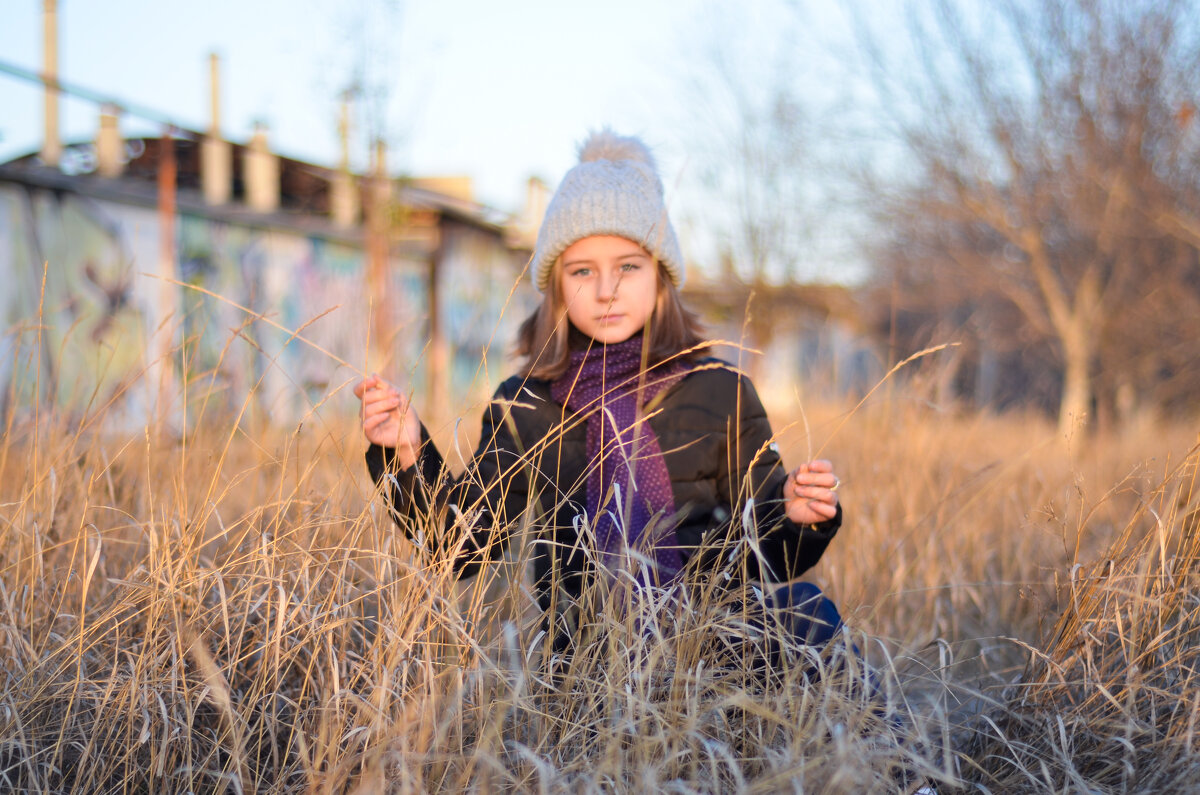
[[810, 493]]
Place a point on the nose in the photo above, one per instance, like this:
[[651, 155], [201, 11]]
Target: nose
[[606, 285]]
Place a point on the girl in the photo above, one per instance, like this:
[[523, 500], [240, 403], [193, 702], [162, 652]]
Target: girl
[[620, 443]]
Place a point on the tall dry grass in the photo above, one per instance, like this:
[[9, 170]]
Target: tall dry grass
[[230, 609]]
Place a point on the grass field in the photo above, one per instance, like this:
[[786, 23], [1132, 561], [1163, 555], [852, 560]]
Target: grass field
[[231, 610]]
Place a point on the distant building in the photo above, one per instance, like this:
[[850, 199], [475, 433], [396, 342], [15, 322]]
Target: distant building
[[796, 341]]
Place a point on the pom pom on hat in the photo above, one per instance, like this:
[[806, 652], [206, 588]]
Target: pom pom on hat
[[614, 190], [607, 145]]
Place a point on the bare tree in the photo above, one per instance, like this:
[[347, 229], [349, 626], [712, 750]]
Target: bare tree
[[1045, 154], [758, 210], [750, 142]]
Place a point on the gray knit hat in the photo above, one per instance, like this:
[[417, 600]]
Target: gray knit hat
[[615, 190]]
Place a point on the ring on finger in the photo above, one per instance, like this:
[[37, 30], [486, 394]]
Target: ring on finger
[[836, 482]]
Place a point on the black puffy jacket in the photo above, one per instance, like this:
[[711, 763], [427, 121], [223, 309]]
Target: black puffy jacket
[[717, 445]]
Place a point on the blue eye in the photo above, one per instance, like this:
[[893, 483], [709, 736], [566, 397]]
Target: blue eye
[[630, 266]]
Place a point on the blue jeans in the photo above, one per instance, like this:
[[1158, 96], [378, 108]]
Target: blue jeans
[[803, 613], [807, 614]]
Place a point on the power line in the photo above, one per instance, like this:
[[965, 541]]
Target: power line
[[71, 89]]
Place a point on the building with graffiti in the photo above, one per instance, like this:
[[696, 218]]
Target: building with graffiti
[[141, 285]]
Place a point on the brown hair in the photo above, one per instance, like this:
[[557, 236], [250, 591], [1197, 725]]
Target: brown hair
[[546, 338]]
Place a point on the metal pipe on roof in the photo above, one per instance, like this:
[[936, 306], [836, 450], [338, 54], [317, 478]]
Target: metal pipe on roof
[[216, 155], [214, 86], [110, 150], [51, 143], [261, 171]]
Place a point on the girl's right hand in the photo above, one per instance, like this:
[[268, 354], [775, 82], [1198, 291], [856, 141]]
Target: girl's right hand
[[389, 419]]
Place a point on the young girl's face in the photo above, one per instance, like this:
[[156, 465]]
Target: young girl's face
[[610, 287]]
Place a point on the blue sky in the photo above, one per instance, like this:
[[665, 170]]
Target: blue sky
[[497, 91]]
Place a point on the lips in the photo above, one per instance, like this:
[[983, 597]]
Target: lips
[[607, 320]]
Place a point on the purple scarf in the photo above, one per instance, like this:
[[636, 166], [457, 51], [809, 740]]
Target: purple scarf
[[603, 384]]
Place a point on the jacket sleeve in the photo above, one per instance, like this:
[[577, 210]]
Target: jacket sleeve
[[785, 550], [463, 518]]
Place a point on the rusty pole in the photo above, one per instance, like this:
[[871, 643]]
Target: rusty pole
[[166, 202], [438, 382], [161, 360]]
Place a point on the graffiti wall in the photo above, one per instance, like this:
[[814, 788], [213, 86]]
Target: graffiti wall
[[93, 320]]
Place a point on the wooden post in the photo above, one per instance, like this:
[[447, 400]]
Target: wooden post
[[378, 208]]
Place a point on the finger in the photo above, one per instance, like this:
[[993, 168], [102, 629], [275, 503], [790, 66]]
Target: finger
[[824, 481], [370, 383], [810, 479], [824, 509], [826, 478], [382, 397], [817, 494], [377, 410], [386, 406], [373, 422], [820, 465], [370, 412]]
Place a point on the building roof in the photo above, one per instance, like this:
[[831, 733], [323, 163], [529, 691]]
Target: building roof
[[304, 188]]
